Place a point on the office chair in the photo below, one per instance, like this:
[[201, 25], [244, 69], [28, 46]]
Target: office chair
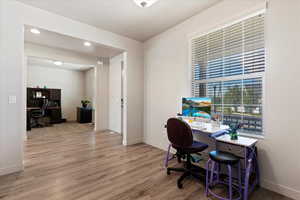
[[36, 115], [180, 136]]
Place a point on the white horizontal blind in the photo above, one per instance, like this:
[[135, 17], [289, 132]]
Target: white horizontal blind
[[254, 45], [228, 65]]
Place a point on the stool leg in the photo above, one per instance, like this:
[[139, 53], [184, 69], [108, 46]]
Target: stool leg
[[212, 172], [207, 177], [218, 171], [230, 181], [240, 179]]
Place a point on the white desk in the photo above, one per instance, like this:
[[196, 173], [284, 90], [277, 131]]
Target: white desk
[[209, 128], [248, 144], [241, 141]]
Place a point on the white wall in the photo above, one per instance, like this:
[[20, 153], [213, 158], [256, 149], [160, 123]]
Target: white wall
[[90, 88], [166, 81], [115, 93], [13, 16], [279, 152], [89, 85], [70, 82], [12, 123], [41, 51], [102, 91]]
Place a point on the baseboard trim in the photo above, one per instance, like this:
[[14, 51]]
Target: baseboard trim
[[134, 141], [112, 131], [101, 130], [281, 189], [10, 169]]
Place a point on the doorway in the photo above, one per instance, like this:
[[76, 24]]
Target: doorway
[[116, 94], [95, 56]]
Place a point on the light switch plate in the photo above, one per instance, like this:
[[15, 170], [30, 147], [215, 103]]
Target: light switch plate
[[12, 99]]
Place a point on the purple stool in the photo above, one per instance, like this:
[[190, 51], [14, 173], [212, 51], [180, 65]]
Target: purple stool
[[213, 167]]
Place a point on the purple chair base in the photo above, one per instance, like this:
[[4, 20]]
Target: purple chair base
[[168, 157]]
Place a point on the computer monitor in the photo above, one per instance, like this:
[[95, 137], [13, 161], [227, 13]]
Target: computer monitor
[[196, 107]]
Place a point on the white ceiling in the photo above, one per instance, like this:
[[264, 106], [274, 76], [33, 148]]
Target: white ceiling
[[43, 62], [123, 16], [55, 40]]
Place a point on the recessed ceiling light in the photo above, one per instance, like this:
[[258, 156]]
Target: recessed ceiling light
[[144, 3], [58, 63], [87, 44], [35, 31]]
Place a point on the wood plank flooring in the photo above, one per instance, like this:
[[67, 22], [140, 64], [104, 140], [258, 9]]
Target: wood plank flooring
[[71, 162]]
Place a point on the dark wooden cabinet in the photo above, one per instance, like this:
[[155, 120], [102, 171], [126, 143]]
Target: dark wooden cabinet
[[55, 94], [55, 115], [84, 115]]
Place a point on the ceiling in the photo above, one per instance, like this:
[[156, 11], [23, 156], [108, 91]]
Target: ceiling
[[35, 61], [55, 40], [123, 16]]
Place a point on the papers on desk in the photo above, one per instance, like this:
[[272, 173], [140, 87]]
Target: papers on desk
[[206, 127]]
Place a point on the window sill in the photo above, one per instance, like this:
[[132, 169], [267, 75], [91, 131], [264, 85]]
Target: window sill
[[256, 136]]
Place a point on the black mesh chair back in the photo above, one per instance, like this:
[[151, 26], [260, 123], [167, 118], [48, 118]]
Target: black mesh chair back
[[179, 133], [40, 112]]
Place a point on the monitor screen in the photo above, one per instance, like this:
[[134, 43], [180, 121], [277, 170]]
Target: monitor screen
[[196, 107]]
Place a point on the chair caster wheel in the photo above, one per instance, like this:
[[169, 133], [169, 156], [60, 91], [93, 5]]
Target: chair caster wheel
[[168, 172], [179, 185]]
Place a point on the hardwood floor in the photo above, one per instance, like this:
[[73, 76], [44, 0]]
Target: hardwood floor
[[71, 162]]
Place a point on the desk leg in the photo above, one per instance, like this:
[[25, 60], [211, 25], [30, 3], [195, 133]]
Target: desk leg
[[167, 157], [251, 167], [247, 176], [257, 169]]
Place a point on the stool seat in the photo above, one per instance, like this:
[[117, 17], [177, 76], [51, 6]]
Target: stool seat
[[224, 157]]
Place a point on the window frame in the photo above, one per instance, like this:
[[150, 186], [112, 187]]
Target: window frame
[[262, 75]]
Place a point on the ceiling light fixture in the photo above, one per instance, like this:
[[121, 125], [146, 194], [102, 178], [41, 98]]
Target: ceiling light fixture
[[87, 44], [144, 3], [35, 31], [58, 63]]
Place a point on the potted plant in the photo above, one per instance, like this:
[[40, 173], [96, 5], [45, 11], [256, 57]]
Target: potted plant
[[233, 131], [85, 103]]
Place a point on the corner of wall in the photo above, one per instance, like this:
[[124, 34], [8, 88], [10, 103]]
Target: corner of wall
[[11, 169]]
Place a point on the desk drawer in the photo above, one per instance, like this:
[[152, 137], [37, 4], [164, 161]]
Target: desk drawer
[[236, 150]]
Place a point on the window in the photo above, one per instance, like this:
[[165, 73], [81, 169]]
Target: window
[[228, 65]]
